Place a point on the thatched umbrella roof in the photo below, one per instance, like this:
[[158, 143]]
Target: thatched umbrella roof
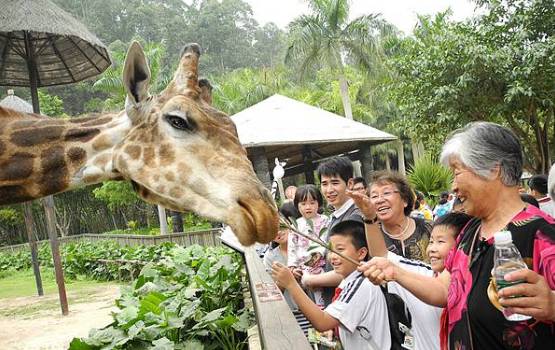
[[64, 50], [16, 103]]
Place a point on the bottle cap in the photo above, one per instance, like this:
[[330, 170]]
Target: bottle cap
[[502, 237]]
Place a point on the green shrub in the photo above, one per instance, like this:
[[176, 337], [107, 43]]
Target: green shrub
[[430, 177]]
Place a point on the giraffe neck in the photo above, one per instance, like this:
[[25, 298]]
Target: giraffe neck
[[40, 156]]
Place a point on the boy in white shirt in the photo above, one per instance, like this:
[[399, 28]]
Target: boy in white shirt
[[358, 310]]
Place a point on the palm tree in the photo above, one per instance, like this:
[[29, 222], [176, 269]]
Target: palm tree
[[326, 38]]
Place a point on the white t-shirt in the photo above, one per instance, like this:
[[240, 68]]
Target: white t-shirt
[[362, 313], [425, 318], [547, 205]]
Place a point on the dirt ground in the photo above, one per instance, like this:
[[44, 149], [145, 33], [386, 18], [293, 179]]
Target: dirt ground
[[33, 323]]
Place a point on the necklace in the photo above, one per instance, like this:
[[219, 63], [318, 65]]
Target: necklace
[[400, 236]]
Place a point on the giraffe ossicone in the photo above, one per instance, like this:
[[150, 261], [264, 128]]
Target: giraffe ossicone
[[176, 149]]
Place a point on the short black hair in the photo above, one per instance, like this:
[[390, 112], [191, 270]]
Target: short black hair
[[353, 229], [305, 191], [443, 197], [528, 198], [538, 183], [456, 220], [336, 166], [289, 210], [360, 179]]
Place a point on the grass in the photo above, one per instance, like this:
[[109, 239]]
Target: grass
[[15, 284], [22, 283]]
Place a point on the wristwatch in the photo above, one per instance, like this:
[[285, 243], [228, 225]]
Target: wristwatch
[[370, 221]]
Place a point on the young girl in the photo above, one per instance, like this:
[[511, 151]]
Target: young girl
[[278, 253], [303, 254]]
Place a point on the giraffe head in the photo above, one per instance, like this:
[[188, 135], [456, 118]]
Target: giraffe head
[[185, 155]]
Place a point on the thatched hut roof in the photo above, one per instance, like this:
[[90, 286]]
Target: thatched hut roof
[[16, 103], [284, 126]]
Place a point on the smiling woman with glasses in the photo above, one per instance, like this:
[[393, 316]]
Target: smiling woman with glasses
[[393, 200]]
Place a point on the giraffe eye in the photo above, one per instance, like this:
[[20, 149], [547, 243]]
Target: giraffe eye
[[179, 122]]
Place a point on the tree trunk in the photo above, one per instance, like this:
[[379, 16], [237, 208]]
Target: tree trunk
[[401, 157], [344, 91], [177, 221], [387, 162]]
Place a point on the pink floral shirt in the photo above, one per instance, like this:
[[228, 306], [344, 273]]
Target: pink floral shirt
[[474, 317]]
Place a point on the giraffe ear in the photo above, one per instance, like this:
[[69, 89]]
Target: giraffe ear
[[136, 74]]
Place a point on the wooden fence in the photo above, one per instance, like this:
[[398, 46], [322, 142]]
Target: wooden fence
[[277, 327], [204, 238]]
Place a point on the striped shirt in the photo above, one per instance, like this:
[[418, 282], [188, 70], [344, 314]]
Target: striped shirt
[[362, 313]]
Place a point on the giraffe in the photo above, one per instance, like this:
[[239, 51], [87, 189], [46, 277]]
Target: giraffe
[[175, 148]]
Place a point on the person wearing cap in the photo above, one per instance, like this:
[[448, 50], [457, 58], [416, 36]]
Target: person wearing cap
[[538, 189]]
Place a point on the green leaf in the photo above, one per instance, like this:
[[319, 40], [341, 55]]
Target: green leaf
[[193, 345], [162, 344], [79, 344]]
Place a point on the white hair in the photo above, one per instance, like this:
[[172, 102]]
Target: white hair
[[483, 146], [551, 182]]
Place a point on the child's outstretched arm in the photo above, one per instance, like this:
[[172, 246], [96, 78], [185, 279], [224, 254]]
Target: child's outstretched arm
[[374, 236], [431, 290], [319, 319]]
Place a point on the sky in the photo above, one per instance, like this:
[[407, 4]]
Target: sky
[[401, 13]]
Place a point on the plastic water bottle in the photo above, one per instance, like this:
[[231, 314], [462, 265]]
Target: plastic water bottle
[[507, 259]]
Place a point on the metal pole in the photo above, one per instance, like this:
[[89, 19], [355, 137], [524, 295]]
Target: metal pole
[[48, 202]]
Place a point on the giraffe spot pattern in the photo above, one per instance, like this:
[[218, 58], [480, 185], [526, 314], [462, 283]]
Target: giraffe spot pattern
[[148, 157], [54, 171], [170, 176], [14, 194], [18, 166], [166, 154], [133, 151], [76, 155], [81, 135], [36, 136], [176, 192]]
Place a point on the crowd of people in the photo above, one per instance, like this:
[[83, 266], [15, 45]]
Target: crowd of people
[[401, 274]]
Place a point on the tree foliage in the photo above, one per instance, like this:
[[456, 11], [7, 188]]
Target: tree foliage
[[499, 67], [323, 38]]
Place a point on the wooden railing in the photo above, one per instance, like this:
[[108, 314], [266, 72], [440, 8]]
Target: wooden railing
[[277, 327]]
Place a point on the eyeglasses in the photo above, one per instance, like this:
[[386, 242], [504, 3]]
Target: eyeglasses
[[385, 195]]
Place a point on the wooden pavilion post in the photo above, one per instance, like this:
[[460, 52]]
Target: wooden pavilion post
[[308, 164], [260, 165], [366, 160], [29, 225], [48, 202]]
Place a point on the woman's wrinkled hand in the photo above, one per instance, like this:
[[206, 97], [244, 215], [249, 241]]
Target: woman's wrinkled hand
[[282, 275], [362, 201], [533, 297], [379, 270]]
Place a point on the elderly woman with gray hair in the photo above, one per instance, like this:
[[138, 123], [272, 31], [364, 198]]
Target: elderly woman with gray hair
[[486, 159]]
